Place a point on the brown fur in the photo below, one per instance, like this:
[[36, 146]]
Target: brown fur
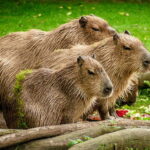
[[56, 97], [62, 37], [22, 50], [120, 64], [130, 97]]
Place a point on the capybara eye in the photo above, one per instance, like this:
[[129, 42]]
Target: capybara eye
[[95, 29], [91, 72], [126, 48]]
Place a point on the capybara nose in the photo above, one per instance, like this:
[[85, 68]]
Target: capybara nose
[[146, 63], [107, 90]]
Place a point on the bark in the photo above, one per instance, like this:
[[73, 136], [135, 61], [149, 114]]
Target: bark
[[51, 131], [40, 132], [62, 142], [135, 138], [8, 131]]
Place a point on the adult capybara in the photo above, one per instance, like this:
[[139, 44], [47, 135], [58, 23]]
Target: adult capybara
[[25, 48], [122, 56], [56, 97], [85, 30]]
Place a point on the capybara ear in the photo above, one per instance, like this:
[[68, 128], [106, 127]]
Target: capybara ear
[[83, 21], [127, 32], [80, 60], [116, 38], [94, 56]]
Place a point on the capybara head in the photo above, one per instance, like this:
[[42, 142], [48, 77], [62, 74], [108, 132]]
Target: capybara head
[[131, 53], [93, 78], [95, 28]]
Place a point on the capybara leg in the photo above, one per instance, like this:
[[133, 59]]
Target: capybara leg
[[113, 113], [66, 120], [103, 111]]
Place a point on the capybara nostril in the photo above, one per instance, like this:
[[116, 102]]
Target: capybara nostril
[[146, 63], [107, 90]]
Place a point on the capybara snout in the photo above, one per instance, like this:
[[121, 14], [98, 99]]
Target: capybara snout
[[108, 90], [107, 86]]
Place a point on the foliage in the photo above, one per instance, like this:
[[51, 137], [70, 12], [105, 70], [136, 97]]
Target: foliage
[[141, 109], [77, 141]]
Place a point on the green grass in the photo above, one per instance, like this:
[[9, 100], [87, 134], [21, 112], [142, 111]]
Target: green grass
[[24, 15], [46, 15]]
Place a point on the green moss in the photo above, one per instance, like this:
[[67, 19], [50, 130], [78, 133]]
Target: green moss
[[19, 78], [19, 102]]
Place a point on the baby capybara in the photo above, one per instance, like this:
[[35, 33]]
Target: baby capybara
[[58, 97]]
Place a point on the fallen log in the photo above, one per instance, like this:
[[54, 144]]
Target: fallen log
[[8, 131], [40, 132], [64, 141], [51, 131], [135, 138]]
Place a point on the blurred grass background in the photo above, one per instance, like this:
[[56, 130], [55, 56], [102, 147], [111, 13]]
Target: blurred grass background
[[132, 15], [21, 15]]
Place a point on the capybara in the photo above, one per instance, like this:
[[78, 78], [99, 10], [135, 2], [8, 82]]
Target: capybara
[[58, 97], [22, 50], [122, 56], [85, 30]]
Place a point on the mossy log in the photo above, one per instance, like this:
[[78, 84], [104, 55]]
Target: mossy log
[[51, 131], [135, 139]]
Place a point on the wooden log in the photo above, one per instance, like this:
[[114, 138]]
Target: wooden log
[[41, 132], [8, 131], [135, 138], [62, 142]]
